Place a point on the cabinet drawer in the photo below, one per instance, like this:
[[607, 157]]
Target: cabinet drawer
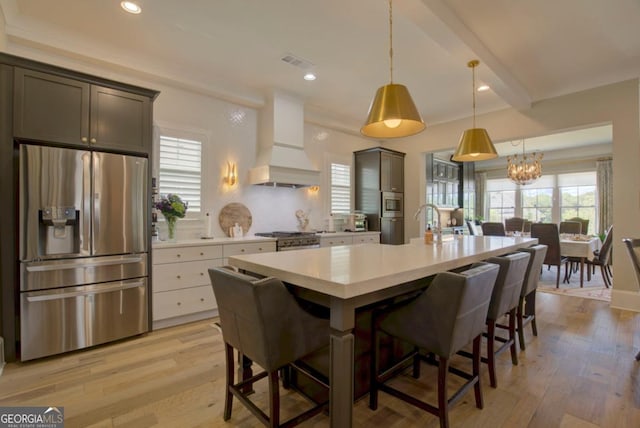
[[173, 276], [255, 247], [366, 239], [185, 254], [334, 242], [169, 304]]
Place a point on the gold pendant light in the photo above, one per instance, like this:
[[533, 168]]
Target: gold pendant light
[[392, 112], [475, 144]]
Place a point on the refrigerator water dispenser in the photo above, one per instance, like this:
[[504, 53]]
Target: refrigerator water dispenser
[[59, 230]]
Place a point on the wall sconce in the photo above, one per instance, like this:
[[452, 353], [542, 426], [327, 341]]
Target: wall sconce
[[232, 177], [314, 189]]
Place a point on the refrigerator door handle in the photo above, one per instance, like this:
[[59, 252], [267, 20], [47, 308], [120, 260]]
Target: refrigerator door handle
[[83, 264], [96, 290]]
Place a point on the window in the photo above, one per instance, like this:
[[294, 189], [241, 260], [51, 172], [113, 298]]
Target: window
[[180, 170], [340, 188], [502, 199], [578, 197], [537, 200]]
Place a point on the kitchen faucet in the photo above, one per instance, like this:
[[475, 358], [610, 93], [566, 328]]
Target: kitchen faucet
[[437, 230]]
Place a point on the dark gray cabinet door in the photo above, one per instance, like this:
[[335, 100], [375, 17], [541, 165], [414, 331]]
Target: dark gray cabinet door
[[391, 172], [56, 109], [392, 231], [50, 108], [120, 120]]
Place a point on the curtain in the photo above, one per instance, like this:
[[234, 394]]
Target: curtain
[[604, 172], [481, 190]]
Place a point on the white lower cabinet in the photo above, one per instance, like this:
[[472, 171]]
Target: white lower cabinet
[[182, 289]]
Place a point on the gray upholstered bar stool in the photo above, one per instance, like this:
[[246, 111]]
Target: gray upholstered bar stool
[[447, 316], [504, 300], [263, 321], [527, 306]]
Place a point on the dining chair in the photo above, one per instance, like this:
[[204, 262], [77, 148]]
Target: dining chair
[[526, 227], [263, 322], [601, 258], [472, 227], [447, 316], [583, 221], [572, 227], [514, 224], [504, 301], [526, 313], [548, 234], [493, 229], [633, 246]]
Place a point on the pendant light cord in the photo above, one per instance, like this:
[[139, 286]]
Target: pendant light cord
[[473, 92], [391, 40]]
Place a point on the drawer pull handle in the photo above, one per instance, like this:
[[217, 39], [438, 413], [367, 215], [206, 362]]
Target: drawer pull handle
[[179, 303], [202, 299], [178, 276], [242, 250], [201, 273], [202, 254], [177, 255], [260, 249]]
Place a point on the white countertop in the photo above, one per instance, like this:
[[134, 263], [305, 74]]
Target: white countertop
[[350, 271], [213, 241]]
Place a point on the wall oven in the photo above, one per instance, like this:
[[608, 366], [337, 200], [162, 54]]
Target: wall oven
[[392, 204]]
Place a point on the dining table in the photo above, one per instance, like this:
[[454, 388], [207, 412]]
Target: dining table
[[346, 278], [579, 247]]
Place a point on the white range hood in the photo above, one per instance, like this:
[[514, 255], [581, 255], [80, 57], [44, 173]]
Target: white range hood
[[281, 159]]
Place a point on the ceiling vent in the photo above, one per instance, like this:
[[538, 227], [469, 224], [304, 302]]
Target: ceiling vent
[[296, 61]]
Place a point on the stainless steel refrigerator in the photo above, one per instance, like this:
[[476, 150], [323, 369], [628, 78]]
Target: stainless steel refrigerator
[[83, 249]]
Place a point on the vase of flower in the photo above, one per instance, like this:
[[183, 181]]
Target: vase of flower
[[171, 228], [172, 207]]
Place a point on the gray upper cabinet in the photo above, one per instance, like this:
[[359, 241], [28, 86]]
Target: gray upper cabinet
[[63, 110], [391, 172]]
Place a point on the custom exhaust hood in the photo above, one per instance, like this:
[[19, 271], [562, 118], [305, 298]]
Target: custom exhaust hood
[[281, 160]]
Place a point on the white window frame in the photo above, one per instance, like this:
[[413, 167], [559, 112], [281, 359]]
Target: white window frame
[[342, 160], [176, 131]]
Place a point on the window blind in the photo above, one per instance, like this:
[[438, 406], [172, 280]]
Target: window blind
[[340, 188], [180, 170]]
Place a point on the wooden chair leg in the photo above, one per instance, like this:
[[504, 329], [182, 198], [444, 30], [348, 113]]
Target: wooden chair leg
[[375, 357], [638, 356], [558, 277], [491, 356], [228, 397], [605, 276], [512, 336], [476, 371], [520, 319], [443, 401], [274, 400], [530, 311]]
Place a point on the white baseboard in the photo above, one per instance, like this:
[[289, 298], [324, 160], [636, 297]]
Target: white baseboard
[[626, 300], [170, 322]]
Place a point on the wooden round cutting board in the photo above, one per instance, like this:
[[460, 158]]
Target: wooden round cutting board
[[233, 213]]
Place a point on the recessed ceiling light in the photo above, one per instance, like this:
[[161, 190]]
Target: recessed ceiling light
[[131, 7], [483, 88], [309, 76]]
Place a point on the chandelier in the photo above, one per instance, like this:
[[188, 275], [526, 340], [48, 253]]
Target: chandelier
[[526, 169]]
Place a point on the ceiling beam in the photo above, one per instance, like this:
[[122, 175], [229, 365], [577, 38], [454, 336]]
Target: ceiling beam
[[436, 19]]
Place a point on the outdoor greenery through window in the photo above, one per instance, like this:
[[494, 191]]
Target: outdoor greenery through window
[[180, 170], [502, 199], [550, 199], [578, 197], [340, 188]]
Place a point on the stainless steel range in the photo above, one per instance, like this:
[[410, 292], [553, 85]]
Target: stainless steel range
[[286, 241]]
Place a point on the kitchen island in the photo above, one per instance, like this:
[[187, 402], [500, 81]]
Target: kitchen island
[[346, 278]]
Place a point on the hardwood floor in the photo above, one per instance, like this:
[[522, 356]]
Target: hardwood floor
[[579, 372]]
